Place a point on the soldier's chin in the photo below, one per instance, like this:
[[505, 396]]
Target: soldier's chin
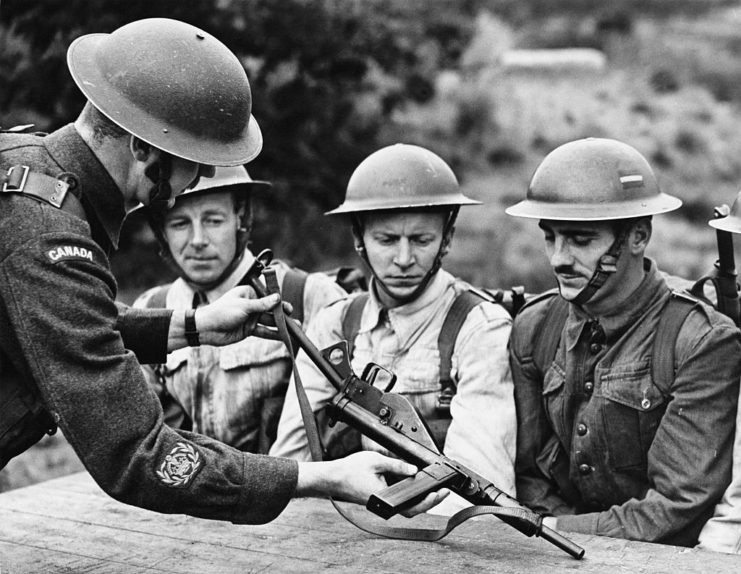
[[567, 292], [400, 293]]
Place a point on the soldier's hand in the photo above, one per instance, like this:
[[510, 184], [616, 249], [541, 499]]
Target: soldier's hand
[[356, 477], [227, 320]]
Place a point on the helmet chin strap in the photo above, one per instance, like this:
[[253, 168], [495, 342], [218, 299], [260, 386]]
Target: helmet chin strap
[[160, 195], [448, 230], [606, 266]]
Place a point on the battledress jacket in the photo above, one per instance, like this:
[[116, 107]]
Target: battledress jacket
[[600, 446], [61, 332]]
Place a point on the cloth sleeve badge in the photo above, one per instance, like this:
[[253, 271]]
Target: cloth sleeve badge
[[180, 466], [66, 252]]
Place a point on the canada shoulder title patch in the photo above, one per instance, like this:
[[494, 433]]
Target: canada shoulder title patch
[[66, 252], [180, 466]]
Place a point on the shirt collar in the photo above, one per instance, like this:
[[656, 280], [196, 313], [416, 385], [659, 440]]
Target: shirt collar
[[406, 319], [97, 188], [234, 277], [187, 289], [616, 321]]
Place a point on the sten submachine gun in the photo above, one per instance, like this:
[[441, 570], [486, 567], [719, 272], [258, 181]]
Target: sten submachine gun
[[393, 422]]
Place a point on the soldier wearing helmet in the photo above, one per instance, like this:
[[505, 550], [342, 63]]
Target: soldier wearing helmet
[[402, 202], [233, 393], [722, 533], [166, 102], [614, 437]]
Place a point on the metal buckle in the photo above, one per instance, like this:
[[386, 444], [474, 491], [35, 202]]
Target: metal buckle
[[444, 398], [24, 177]]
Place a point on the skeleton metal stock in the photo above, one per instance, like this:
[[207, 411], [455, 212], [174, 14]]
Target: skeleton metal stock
[[390, 420]]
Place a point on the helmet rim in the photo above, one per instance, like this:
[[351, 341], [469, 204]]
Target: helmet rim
[[534, 209]]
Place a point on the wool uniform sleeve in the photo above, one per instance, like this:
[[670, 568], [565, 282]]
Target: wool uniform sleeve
[[59, 320]]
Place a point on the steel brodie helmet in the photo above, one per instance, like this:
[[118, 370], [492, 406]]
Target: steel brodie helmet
[[593, 179], [173, 86], [401, 176], [226, 178]]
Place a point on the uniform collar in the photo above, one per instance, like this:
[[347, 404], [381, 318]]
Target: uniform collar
[[615, 322], [97, 188], [408, 318]]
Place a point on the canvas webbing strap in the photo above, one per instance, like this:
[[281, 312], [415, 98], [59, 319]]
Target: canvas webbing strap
[[672, 318], [294, 282], [549, 334], [351, 321], [457, 314]]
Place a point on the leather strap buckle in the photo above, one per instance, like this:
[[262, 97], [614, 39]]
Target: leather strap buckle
[[15, 181]]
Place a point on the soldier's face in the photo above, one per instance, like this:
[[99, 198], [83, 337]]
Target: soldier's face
[[402, 248], [202, 234], [574, 249]]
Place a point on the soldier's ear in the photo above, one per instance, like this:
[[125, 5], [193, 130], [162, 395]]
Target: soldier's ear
[[141, 150], [640, 235]]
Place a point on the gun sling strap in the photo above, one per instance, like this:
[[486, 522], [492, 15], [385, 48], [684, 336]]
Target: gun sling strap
[[526, 517]]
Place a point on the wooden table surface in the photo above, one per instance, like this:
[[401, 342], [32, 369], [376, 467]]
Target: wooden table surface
[[70, 525]]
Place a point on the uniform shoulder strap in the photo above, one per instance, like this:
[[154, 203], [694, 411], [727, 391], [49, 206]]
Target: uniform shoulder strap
[[672, 318], [464, 302], [549, 334], [294, 283], [56, 191], [351, 321]]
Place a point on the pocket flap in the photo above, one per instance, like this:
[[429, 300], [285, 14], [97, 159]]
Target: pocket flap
[[177, 358], [632, 387], [554, 379], [252, 351]]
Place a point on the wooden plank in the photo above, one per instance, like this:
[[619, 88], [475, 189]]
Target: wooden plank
[[69, 521]]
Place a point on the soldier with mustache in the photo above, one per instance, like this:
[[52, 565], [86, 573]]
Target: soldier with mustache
[[626, 390]]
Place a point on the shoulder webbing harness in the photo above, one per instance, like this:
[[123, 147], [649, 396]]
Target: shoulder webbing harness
[[456, 316], [24, 418], [672, 318]]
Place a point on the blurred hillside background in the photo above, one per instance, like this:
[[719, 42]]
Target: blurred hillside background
[[334, 80]]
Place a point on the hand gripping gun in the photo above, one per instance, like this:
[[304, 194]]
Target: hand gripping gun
[[393, 422]]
